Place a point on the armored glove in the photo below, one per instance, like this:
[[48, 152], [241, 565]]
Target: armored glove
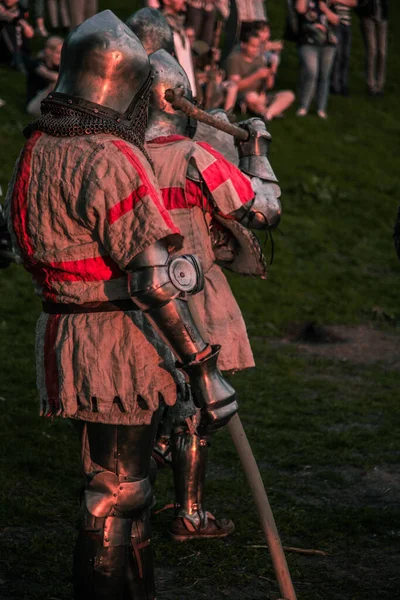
[[160, 285], [5, 243], [263, 212]]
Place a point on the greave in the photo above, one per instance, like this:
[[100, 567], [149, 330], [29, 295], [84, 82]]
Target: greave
[[122, 570], [189, 463]]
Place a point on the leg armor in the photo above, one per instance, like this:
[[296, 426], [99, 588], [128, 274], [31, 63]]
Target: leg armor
[[189, 463], [113, 557]]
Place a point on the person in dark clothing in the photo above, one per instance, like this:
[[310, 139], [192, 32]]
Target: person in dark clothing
[[14, 30], [374, 28], [340, 72], [316, 46]]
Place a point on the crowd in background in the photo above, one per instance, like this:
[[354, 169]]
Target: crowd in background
[[226, 49]]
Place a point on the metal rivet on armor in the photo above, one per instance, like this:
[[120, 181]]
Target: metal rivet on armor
[[115, 495]]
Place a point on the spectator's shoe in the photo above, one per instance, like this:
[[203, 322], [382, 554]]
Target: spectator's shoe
[[322, 114], [301, 112], [183, 529], [2, 102]]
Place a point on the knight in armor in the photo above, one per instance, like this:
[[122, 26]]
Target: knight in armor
[[214, 204], [85, 212]]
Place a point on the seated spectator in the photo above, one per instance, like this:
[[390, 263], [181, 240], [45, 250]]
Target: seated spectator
[[174, 12], [43, 74], [247, 68], [14, 30], [270, 49]]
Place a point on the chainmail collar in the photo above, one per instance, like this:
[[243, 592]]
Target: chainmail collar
[[70, 116]]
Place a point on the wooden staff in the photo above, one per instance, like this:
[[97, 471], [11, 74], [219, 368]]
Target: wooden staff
[[212, 74], [264, 510], [179, 102]]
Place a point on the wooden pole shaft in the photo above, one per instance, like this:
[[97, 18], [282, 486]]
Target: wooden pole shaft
[[260, 497], [179, 102]]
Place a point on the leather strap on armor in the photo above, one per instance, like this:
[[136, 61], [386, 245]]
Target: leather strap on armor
[[54, 308]]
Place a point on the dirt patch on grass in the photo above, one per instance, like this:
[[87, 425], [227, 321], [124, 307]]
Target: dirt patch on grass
[[360, 344]]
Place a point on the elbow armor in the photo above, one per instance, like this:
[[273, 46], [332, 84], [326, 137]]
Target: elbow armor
[[160, 285]]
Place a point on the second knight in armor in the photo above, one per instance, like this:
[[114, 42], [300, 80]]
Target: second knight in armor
[[213, 203]]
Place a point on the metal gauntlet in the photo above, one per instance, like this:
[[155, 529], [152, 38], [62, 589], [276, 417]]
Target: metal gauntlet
[[265, 209], [160, 285]]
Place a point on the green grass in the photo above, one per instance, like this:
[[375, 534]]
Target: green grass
[[325, 432]]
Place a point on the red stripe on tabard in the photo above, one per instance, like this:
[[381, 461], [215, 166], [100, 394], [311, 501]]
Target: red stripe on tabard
[[101, 268], [176, 197], [135, 162], [19, 202], [221, 171], [51, 364], [126, 205], [173, 197], [168, 139]]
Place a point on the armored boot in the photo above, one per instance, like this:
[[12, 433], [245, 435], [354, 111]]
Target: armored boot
[[189, 463]]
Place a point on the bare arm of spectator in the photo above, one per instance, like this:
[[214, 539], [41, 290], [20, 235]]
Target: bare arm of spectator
[[27, 30], [249, 81], [46, 73], [332, 17], [8, 15], [349, 3], [301, 6]]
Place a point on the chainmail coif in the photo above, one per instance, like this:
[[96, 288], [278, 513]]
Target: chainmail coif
[[74, 117]]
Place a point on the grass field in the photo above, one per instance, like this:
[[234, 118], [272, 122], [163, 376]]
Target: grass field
[[323, 419]]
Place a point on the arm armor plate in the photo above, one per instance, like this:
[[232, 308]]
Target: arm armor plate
[[264, 211], [160, 285]]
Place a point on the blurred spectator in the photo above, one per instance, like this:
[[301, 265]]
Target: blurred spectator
[[254, 79], [251, 10], [270, 49], [374, 27], [213, 88], [42, 75], [36, 14], [340, 72], [174, 12], [58, 12], [152, 30], [317, 47], [14, 31], [80, 10], [200, 16]]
